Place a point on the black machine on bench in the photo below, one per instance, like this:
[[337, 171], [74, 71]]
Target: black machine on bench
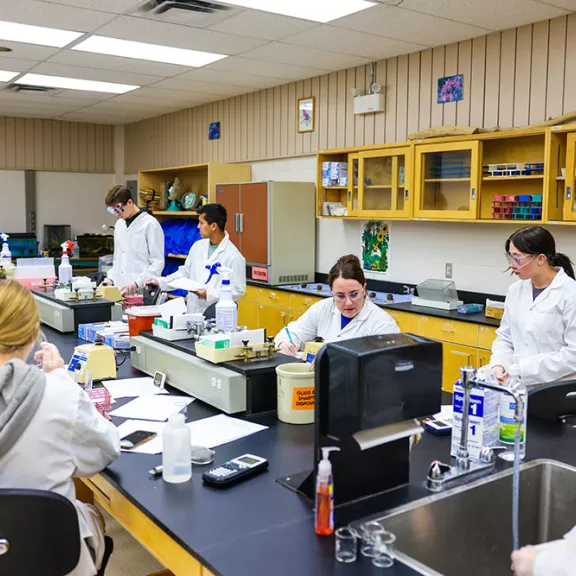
[[369, 393]]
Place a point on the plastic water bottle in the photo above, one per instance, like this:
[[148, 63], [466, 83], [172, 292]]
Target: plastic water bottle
[[507, 420], [176, 451], [226, 308]]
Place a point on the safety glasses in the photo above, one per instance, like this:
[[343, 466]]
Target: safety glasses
[[116, 210], [518, 262], [353, 296]]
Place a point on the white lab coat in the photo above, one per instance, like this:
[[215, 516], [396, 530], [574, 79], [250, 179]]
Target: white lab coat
[[66, 438], [138, 251], [541, 332], [199, 267], [324, 320]]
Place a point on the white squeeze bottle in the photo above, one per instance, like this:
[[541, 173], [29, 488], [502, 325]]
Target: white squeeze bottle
[[226, 308], [65, 269], [176, 451], [5, 254], [507, 422]]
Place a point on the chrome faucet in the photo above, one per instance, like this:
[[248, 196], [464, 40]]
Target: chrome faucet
[[443, 476]]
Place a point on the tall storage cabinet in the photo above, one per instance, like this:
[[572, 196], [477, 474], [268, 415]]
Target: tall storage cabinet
[[273, 225]]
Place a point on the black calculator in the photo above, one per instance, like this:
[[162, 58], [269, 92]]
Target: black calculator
[[235, 470]]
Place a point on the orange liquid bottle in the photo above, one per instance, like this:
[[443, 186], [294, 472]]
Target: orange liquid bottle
[[324, 510]]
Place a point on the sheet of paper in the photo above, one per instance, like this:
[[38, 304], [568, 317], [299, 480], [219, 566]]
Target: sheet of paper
[[132, 387], [186, 284], [221, 429], [446, 414], [174, 307], [153, 446], [152, 407]]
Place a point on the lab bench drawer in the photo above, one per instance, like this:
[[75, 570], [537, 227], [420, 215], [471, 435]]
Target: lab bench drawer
[[276, 298], [301, 303], [406, 321], [486, 336], [448, 330]]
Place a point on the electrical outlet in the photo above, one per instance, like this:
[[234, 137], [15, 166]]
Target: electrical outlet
[[448, 270]]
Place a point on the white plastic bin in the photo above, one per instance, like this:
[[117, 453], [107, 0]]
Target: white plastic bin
[[296, 391]]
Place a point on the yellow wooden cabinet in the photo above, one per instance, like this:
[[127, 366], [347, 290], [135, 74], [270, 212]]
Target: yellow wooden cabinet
[[385, 178], [483, 358], [569, 200], [448, 330], [272, 318], [248, 314], [454, 357], [447, 180], [407, 322], [486, 336]]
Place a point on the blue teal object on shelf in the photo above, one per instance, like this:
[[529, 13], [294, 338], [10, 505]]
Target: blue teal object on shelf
[[470, 308], [174, 206]]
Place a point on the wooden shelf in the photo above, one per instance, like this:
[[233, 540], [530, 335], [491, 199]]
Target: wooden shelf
[[179, 256], [508, 178], [169, 213], [447, 180], [335, 187], [517, 222]]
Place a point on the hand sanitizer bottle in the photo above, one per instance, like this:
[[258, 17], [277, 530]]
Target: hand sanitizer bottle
[[507, 421], [176, 451], [324, 509]]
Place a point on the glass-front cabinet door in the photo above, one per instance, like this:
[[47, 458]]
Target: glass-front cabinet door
[[446, 180], [570, 178], [384, 180], [353, 175]]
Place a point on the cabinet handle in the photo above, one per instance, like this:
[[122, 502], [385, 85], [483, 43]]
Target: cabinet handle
[[473, 193], [305, 304], [241, 223], [236, 225], [568, 192], [349, 196], [458, 353], [406, 194], [444, 330]]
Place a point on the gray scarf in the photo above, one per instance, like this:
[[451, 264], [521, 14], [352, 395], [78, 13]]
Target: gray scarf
[[21, 391]]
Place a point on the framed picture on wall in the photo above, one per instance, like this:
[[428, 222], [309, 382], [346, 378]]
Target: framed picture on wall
[[306, 114]]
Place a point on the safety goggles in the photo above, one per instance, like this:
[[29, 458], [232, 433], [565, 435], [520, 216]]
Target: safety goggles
[[116, 210], [518, 262], [353, 296]]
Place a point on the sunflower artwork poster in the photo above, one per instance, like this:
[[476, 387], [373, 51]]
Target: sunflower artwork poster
[[376, 250]]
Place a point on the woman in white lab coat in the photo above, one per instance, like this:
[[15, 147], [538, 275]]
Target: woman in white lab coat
[[348, 314], [138, 243], [50, 432], [207, 260], [538, 329]]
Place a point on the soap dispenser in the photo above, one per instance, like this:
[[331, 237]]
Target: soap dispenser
[[324, 509]]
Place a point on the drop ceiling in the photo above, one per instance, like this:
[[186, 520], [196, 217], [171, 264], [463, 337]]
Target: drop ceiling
[[264, 49]]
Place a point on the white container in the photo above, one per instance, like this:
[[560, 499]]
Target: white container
[[176, 451], [296, 391], [226, 308], [482, 423], [65, 270]]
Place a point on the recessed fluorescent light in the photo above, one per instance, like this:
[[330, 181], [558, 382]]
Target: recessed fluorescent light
[[75, 84], [37, 35], [6, 76], [315, 10], [145, 51]]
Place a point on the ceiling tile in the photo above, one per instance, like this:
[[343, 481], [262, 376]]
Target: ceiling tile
[[568, 4], [116, 63], [123, 107], [22, 102], [149, 103], [263, 68], [95, 74], [27, 51], [94, 117], [206, 74], [141, 29], [408, 26], [115, 6], [165, 95], [264, 25], [492, 14], [30, 113], [287, 54], [351, 42], [83, 97], [208, 88], [15, 64], [38, 13]]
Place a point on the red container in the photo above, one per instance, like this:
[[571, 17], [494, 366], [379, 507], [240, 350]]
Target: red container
[[140, 319]]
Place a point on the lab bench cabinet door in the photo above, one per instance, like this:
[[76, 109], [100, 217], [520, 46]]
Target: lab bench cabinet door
[[407, 322], [569, 197], [384, 178], [254, 222], [454, 358], [248, 314], [273, 319], [446, 181], [229, 196]]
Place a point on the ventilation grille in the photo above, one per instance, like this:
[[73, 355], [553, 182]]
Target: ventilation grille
[[294, 278], [27, 89], [162, 6]]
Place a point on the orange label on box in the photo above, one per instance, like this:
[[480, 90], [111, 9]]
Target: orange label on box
[[260, 274], [303, 398]]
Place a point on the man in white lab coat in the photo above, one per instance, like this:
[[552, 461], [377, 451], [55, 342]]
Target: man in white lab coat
[[138, 243], [207, 259]]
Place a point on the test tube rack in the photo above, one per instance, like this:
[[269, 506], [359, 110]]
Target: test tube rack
[[522, 207], [514, 169]]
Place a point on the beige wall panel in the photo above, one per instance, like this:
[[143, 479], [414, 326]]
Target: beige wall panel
[[291, 127], [283, 121], [314, 137], [425, 106], [450, 68], [556, 63], [465, 68], [368, 118], [391, 85], [90, 145], [307, 136], [323, 113], [270, 124], [492, 84], [522, 75], [332, 110], [3, 143], [277, 125], [570, 66], [380, 118], [413, 92], [438, 62], [539, 72], [402, 99], [507, 66], [359, 120], [342, 117], [477, 85], [350, 127], [29, 152]]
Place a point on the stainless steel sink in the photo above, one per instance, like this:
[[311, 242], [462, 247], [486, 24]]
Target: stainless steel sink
[[467, 531]]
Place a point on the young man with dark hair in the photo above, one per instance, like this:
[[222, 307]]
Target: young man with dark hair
[[138, 243], [207, 259]]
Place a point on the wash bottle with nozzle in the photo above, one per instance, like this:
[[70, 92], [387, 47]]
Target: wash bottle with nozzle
[[65, 269], [324, 510], [5, 255]]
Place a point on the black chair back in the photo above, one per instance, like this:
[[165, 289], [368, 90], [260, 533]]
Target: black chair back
[[553, 402], [39, 533]]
